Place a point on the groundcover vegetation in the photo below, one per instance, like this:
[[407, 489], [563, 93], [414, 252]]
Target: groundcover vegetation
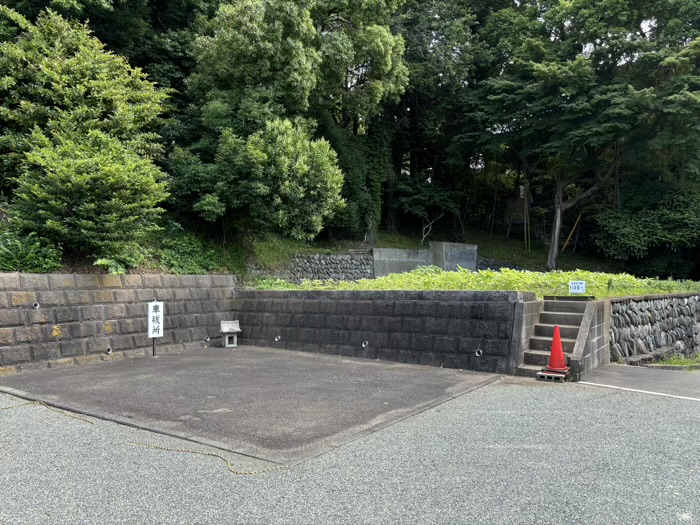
[[599, 285]]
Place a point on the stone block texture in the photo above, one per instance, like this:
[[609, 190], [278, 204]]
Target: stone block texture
[[339, 267], [468, 330], [643, 325], [64, 316]]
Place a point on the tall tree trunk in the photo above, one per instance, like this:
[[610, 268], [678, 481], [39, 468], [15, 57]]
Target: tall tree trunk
[[556, 227]]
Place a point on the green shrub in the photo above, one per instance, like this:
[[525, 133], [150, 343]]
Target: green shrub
[[88, 192], [27, 253], [598, 284], [184, 253]]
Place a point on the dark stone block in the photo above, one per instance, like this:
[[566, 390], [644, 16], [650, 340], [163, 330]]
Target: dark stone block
[[371, 324], [87, 281], [14, 317], [485, 364], [152, 280], [181, 294], [170, 281], [391, 324], [340, 337], [79, 330], [435, 325], [72, 348], [187, 281], [144, 295], [426, 309], [404, 308], [28, 334], [10, 281], [110, 281], [121, 342], [382, 307], [204, 281], [295, 307], [100, 296], [193, 307], [306, 335], [44, 351], [344, 307], [479, 311], [43, 298], [34, 281], [500, 311], [42, 315], [354, 322], [445, 345], [64, 315], [198, 333], [431, 358], [485, 329], [310, 307], [505, 330], [422, 342], [199, 294], [173, 308], [164, 294], [379, 339], [336, 322], [409, 356], [462, 361], [470, 346], [7, 336], [106, 327], [412, 324], [400, 340], [497, 348], [130, 326], [182, 335], [458, 327], [12, 355], [77, 297], [115, 311]]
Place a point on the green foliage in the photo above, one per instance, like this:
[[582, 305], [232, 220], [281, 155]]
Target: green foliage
[[55, 74], [186, 254], [600, 285], [679, 360], [111, 266], [272, 252], [28, 253], [89, 192]]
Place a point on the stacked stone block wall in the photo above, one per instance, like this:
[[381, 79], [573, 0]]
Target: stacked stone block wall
[[468, 330], [339, 267], [57, 316], [644, 325]]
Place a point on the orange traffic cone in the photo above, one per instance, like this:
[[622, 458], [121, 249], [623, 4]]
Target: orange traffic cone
[[557, 361], [557, 369]]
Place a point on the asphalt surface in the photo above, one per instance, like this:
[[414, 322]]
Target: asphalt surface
[[668, 382], [275, 405], [513, 452]]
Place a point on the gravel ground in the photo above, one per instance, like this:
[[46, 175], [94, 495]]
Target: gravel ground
[[513, 452]]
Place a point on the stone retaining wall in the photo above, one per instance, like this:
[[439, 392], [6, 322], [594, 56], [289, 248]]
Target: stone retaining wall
[[468, 330], [642, 325], [56, 316]]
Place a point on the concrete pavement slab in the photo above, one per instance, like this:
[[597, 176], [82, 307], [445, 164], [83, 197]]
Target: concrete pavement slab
[[638, 378], [275, 405]]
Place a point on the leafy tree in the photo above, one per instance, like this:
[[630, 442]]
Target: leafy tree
[[277, 179], [87, 191], [55, 70]]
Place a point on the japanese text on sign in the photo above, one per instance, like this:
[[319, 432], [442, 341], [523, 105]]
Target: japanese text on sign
[[577, 286], [155, 320]]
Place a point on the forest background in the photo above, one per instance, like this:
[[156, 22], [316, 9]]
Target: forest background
[[185, 131]]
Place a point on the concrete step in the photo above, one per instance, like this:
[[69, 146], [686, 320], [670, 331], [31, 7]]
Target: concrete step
[[561, 318], [539, 358], [545, 343], [527, 370], [569, 298], [565, 306], [547, 330]]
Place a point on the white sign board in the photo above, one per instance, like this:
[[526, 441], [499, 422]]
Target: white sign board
[[577, 286], [156, 320]]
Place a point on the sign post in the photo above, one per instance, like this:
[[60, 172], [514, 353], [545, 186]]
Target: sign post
[[155, 322]]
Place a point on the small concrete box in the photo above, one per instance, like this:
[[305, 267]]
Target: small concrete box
[[229, 332]]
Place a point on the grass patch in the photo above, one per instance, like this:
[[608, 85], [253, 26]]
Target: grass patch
[[679, 360], [599, 284]]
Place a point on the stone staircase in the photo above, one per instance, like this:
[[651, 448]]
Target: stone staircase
[[567, 312]]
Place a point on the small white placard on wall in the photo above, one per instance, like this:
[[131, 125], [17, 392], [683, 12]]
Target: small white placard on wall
[[577, 286], [156, 320]]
